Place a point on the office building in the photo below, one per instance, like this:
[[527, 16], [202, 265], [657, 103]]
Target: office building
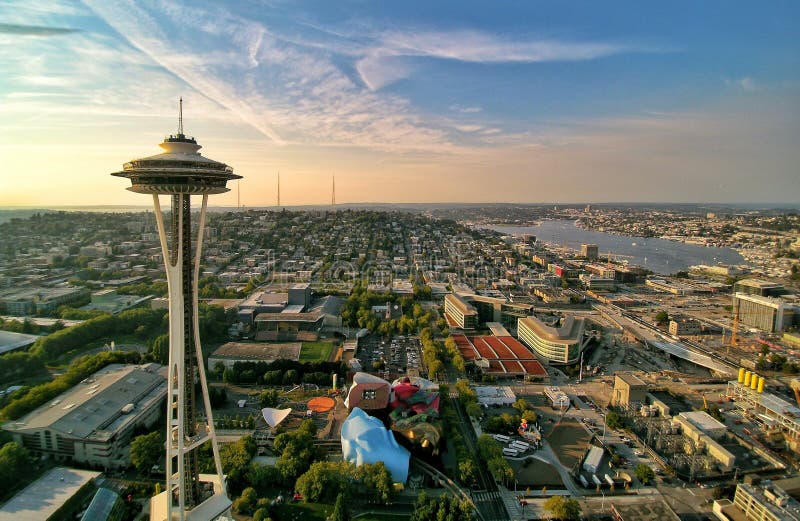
[[757, 503], [557, 345], [178, 173], [590, 251], [460, 313], [41, 301], [629, 389], [92, 423], [680, 326], [769, 314]]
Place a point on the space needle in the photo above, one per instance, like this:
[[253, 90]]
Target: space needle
[[180, 172]]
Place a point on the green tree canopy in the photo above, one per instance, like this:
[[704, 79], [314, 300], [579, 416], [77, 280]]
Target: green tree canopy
[[146, 451], [340, 510], [644, 473], [562, 508]]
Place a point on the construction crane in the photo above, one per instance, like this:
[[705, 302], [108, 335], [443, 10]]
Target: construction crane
[[735, 330]]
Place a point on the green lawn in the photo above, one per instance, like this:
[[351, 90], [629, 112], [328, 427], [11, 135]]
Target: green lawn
[[316, 351], [303, 511]]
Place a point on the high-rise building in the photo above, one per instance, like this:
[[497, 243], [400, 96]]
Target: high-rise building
[[768, 314], [558, 345], [180, 172], [590, 251]]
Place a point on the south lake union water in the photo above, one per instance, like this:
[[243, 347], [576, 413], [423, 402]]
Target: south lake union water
[[658, 255]]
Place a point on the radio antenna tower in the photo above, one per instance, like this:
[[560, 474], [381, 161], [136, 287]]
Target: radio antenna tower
[[180, 172]]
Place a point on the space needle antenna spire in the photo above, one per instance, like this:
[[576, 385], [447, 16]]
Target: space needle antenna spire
[[180, 116]]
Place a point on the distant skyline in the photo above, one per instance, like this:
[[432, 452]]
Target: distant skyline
[[406, 102]]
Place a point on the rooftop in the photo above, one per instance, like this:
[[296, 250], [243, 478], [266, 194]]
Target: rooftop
[[10, 341], [264, 297], [702, 420], [43, 497], [631, 379], [758, 283], [464, 306], [93, 408], [288, 317], [571, 329]]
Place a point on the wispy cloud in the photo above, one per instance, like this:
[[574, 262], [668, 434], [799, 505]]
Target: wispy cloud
[[478, 47], [466, 110], [482, 47], [745, 83], [289, 93]]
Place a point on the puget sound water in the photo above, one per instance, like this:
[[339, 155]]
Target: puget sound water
[[658, 255]]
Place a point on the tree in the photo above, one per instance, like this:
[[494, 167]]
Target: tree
[[474, 410], [489, 448], [262, 514], [468, 472], [614, 420], [521, 405], [444, 507], [324, 481], [160, 349], [564, 509], [235, 458], [246, 503], [644, 473], [662, 317], [268, 398], [340, 511], [15, 464], [146, 451]]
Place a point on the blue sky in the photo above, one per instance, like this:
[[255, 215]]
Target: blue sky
[[408, 101]]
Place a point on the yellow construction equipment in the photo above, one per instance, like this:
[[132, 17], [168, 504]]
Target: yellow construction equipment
[[705, 403]]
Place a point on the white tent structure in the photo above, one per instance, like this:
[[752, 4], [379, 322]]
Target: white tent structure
[[366, 440], [274, 417]]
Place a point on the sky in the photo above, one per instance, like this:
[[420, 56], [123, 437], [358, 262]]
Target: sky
[[412, 101]]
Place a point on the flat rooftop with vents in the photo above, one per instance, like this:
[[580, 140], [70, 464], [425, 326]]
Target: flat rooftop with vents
[[92, 422]]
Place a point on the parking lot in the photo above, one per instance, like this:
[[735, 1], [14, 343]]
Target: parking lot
[[398, 354]]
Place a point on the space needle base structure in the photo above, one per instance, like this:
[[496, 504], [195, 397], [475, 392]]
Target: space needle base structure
[[180, 172]]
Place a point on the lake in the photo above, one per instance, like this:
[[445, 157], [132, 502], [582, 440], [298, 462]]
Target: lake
[[658, 255]]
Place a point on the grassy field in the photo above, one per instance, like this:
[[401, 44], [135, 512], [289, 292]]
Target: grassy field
[[300, 510], [316, 351]]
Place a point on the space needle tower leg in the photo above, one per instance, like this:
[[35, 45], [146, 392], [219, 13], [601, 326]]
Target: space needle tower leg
[[185, 357]]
